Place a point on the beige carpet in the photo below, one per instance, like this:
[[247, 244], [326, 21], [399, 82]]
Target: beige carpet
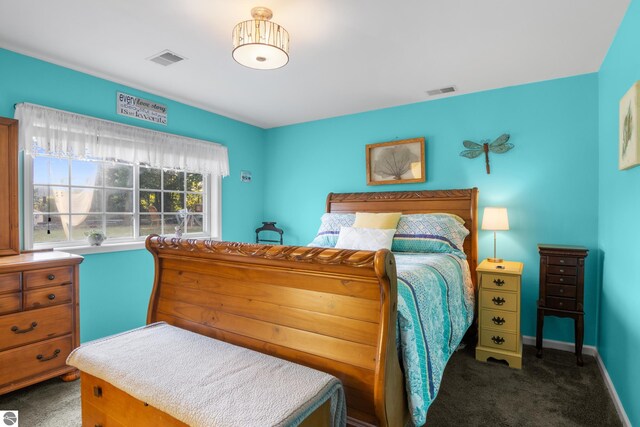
[[549, 392]]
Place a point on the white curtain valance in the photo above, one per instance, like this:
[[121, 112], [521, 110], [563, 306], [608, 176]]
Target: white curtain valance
[[60, 133]]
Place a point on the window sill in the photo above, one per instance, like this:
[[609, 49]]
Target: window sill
[[105, 248]]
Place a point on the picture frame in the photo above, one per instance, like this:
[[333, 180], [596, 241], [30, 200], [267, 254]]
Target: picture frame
[[396, 162], [629, 138]]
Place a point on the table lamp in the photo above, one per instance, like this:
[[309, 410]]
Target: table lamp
[[495, 219]]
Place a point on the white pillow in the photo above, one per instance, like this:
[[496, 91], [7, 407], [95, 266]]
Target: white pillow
[[365, 239]]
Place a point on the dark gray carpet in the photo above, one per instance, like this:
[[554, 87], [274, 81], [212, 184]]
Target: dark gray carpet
[[548, 392]]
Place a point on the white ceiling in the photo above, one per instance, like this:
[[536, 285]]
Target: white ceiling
[[347, 56]]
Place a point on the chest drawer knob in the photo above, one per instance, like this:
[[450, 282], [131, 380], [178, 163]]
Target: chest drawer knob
[[560, 304], [51, 296], [562, 279], [55, 354], [498, 300], [51, 277], [562, 270], [97, 391], [498, 320], [17, 330], [561, 261], [497, 340], [498, 282]]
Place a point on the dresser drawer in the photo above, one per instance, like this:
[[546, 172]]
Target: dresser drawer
[[561, 303], [46, 297], [500, 282], [10, 303], [9, 282], [34, 325], [47, 277], [561, 291], [562, 270], [499, 320], [499, 300], [24, 362], [560, 260], [562, 280], [501, 340]]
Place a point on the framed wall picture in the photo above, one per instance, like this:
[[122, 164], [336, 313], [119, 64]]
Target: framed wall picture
[[396, 162], [629, 149]]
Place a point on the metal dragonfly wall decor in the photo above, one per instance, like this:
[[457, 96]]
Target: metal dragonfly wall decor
[[499, 146]]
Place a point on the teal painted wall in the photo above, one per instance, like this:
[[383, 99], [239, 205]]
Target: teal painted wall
[[548, 181], [115, 287], [619, 210]]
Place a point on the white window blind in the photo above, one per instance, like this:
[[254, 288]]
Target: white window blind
[[51, 132]]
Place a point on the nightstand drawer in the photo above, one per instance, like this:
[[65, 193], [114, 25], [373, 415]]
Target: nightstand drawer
[[562, 280], [499, 320], [499, 300], [500, 282], [561, 303], [496, 339], [561, 291], [560, 260], [562, 270]]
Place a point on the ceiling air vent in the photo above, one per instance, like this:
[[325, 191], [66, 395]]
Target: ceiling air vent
[[166, 58], [441, 91]]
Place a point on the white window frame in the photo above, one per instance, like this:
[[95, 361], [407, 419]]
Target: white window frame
[[212, 195]]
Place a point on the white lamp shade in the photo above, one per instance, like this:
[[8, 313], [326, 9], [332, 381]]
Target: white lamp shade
[[260, 44], [495, 219]]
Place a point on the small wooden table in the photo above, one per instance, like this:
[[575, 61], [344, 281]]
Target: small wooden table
[[562, 289]]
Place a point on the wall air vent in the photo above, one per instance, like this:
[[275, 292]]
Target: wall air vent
[[441, 91], [166, 57]]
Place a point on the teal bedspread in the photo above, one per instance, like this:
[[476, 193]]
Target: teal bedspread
[[435, 308]]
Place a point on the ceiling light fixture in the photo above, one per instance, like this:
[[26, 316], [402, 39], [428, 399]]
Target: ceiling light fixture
[[260, 43]]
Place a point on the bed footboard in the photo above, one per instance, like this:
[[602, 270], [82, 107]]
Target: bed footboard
[[331, 309]]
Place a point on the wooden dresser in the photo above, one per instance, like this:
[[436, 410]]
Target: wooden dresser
[[562, 289], [38, 317], [499, 287]]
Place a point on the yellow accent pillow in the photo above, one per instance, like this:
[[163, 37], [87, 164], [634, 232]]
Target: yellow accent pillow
[[377, 220]]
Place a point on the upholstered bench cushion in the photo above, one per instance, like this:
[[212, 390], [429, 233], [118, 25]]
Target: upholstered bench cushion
[[205, 382]]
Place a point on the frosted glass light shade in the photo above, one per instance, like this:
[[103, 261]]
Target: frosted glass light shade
[[495, 219], [260, 44]]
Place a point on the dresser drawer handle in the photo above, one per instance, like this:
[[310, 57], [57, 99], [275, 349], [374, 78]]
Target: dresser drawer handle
[[53, 356], [498, 282], [17, 330], [498, 300], [497, 340], [561, 270], [498, 320], [562, 279], [51, 276], [51, 296], [97, 391], [561, 261]]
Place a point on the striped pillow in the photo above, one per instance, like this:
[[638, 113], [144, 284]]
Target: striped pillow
[[329, 230], [430, 233]]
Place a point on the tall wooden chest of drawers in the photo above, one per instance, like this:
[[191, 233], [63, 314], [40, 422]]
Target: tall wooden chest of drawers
[[499, 291], [562, 289], [39, 317]]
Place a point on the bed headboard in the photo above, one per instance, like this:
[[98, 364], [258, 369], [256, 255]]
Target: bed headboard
[[463, 202]]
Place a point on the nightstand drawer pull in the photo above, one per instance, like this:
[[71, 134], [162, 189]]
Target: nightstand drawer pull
[[498, 300], [498, 282], [55, 354], [498, 320], [17, 330], [497, 340]]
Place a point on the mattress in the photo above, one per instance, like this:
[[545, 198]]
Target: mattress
[[435, 309]]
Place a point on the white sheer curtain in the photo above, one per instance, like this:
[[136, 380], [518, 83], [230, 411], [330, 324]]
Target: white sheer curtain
[[59, 133]]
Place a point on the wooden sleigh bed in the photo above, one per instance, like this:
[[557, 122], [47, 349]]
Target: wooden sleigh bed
[[330, 309]]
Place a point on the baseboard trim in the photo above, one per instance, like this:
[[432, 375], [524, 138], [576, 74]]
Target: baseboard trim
[[591, 351], [560, 345]]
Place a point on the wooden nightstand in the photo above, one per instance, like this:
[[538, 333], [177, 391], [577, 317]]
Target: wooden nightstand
[[499, 312], [562, 289]]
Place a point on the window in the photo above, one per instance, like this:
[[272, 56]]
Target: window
[[125, 202], [83, 174]]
